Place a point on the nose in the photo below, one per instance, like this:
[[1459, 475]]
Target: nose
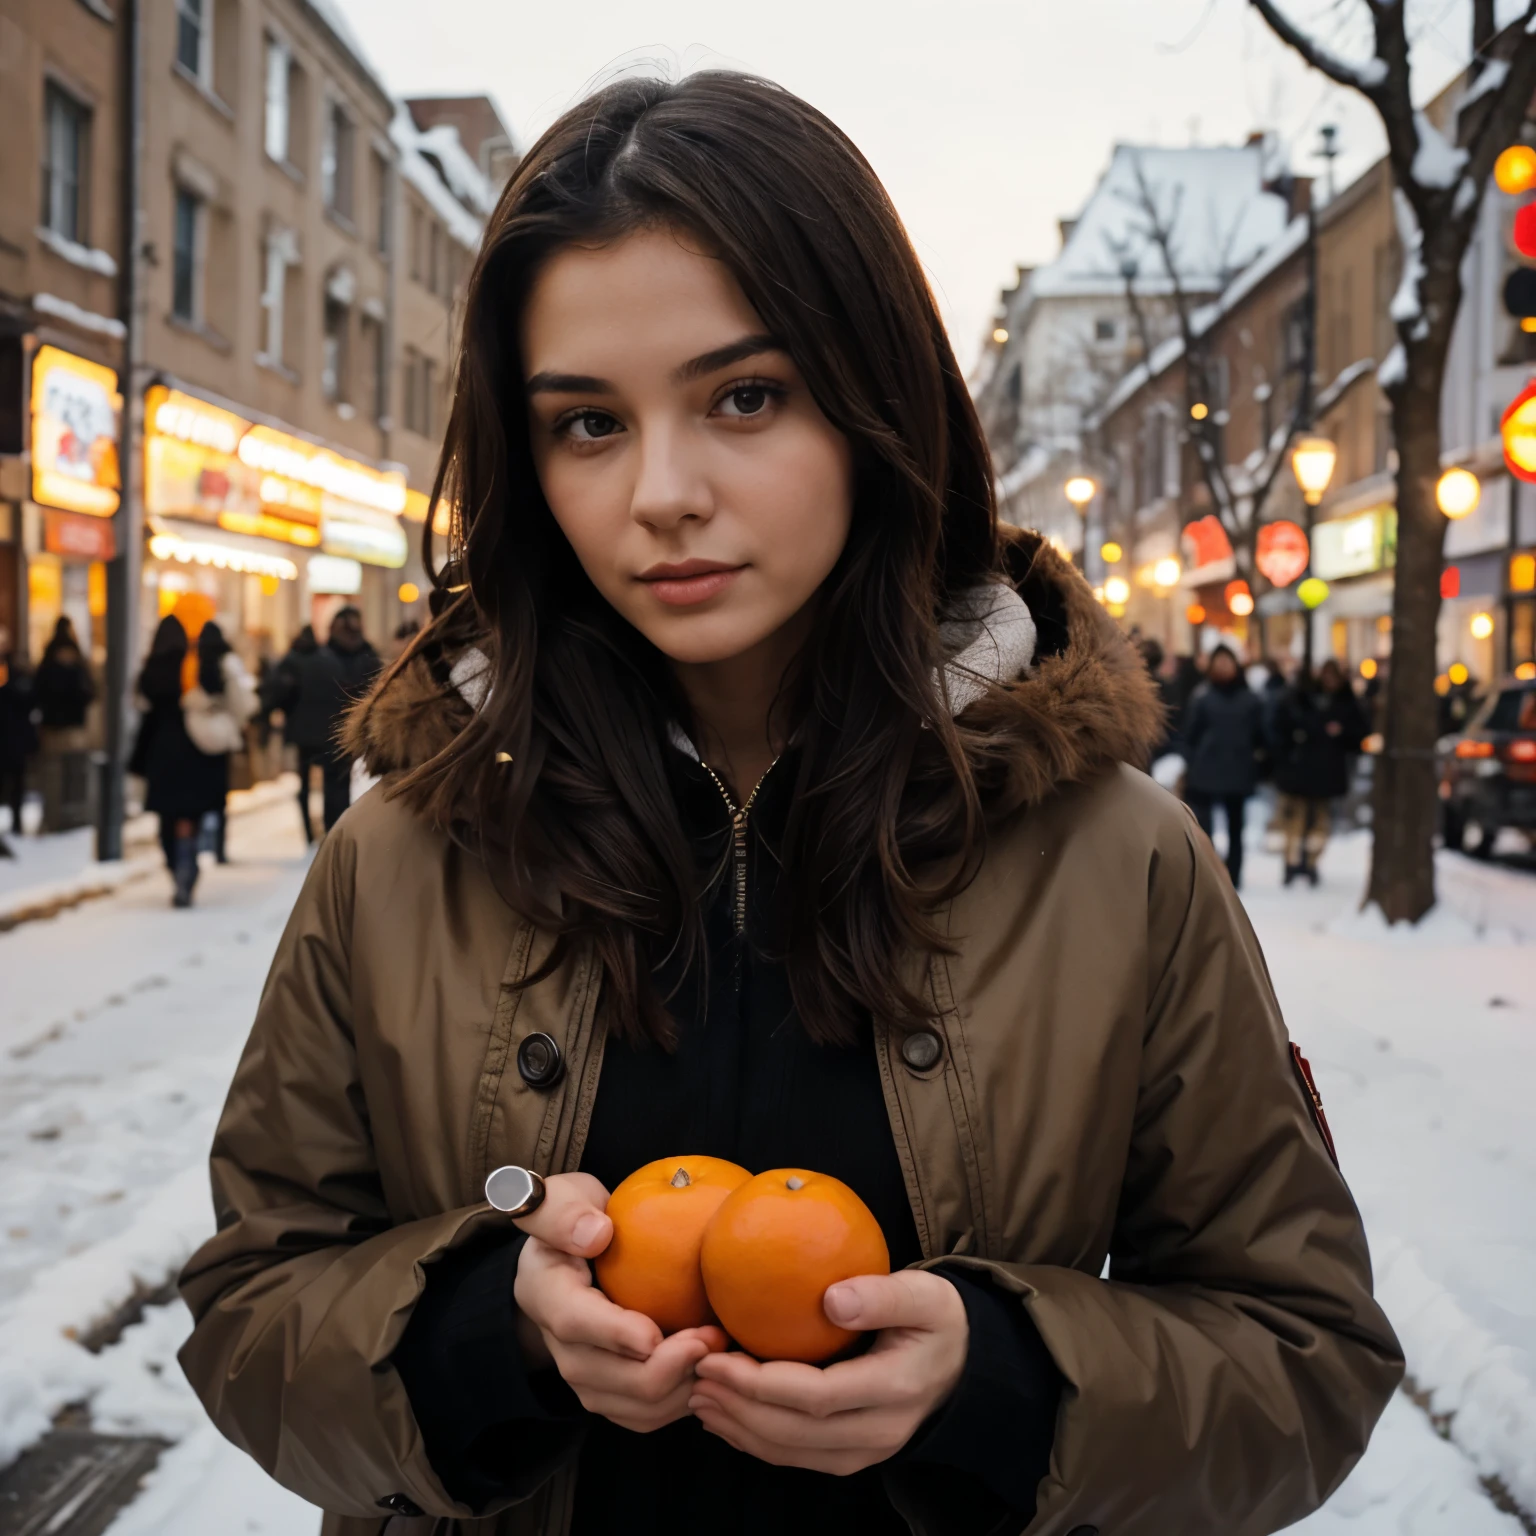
[[671, 485]]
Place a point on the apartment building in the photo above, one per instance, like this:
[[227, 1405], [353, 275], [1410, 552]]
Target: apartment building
[[61, 328], [303, 243]]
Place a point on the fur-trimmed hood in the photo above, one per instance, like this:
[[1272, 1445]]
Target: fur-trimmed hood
[[1084, 702]]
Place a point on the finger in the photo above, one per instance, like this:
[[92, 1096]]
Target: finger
[[911, 1298], [865, 1429], [584, 1316], [642, 1384], [885, 1377], [814, 1458], [573, 1217]]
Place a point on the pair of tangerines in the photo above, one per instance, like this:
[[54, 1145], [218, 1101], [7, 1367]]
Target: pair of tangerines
[[699, 1240]]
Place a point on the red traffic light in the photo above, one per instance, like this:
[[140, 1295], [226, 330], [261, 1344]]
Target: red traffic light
[[1525, 231]]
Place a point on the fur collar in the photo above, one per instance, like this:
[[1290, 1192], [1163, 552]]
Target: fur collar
[[1079, 697]]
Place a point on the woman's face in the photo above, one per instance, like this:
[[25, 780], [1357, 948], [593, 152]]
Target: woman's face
[[701, 488]]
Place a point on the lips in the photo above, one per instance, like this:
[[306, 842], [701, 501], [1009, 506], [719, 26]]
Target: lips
[[688, 582]]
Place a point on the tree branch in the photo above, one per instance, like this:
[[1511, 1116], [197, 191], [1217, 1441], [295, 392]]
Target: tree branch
[[1366, 80]]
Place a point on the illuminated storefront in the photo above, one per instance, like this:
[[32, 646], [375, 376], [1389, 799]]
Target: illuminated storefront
[[75, 411], [237, 507]]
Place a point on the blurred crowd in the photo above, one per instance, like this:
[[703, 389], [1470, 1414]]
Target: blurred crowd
[[204, 720], [1272, 728]]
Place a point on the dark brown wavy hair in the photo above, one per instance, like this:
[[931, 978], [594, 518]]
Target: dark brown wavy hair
[[582, 825]]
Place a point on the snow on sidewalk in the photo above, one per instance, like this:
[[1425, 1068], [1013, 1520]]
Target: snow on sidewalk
[[122, 1023], [1424, 1048]]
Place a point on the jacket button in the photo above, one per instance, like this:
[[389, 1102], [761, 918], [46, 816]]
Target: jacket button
[[539, 1062], [398, 1504], [921, 1049]]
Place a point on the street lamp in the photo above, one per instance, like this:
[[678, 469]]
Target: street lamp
[[1117, 590], [1481, 626], [1166, 573], [1312, 462], [1457, 493], [1080, 491], [1111, 553]]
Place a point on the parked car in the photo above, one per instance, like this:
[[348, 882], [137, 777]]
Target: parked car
[[1488, 773]]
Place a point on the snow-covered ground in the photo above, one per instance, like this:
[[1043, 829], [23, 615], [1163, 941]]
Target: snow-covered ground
[[122, 1020]]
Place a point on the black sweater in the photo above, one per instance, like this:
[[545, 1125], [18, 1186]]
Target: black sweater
[[746, 1083]]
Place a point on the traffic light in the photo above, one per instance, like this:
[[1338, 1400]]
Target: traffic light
[[1518, 429], [1520, 296]]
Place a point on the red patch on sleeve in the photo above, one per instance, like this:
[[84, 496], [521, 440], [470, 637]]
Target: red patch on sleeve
[[1314, 1099]]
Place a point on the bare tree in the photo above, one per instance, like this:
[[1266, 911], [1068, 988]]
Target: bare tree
[[1438, 193], [1239, 493]]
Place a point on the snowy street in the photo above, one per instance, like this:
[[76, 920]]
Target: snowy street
[[123, 1020]]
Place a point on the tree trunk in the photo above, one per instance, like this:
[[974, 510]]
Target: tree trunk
[[1406, 803]]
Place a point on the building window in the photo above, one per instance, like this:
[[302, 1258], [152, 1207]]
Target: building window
[[186, 257], [376, 358], [194, 37], [279, 255], [337, 163], [418, 392], [66, 139], [333, 354], [381, 204], [279, 101], [435, 258], [1105, 330]]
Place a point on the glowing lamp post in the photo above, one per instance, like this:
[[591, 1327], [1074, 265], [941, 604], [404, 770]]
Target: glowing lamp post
[[1239, 599], [1080, 491], [1166, 573], [1457, 493], [1312, 462], [1111, 553]]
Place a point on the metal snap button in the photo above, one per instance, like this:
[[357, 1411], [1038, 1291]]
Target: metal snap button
[[921, 1049], [398, 1504], [539, 1062]]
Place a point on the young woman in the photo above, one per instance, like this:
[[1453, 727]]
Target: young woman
[[754, 795]]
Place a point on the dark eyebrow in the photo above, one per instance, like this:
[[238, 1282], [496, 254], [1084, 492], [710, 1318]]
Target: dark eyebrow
[[723, 357], [548, 383], [567, 384]]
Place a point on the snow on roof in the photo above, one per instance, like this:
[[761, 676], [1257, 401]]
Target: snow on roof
[[442, 143], [1222, 218], [1169, 352], [331, 14], [423, 174]]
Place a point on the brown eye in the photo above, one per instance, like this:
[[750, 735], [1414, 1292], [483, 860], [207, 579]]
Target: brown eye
[[589, 426], [747, 400]]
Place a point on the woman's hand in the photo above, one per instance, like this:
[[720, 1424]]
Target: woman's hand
[[850, 1415], [616, 1362]]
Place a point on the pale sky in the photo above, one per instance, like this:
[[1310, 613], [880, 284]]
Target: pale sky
[[987, 119]]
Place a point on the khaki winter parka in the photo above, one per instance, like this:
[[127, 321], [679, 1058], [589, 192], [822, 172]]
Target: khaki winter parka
[[1112, 1081]]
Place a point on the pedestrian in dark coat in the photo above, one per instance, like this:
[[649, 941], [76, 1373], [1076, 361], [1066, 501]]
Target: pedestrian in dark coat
[[18, 735], [330, 680], [184, 784], [1316, 730], [63, 690], [1223, 744]]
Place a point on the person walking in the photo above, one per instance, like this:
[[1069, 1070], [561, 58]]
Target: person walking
[[1317, 728], [1223, 747], [18, 736], [758, 795], [217, 709], [183, 783], [62, 692], [280, 691], [329, 681]]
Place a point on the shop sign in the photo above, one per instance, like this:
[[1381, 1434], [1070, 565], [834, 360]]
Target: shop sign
[[334, 576], [376, 541], [1281, 553], [75, 413], [212, 465], [1355, 546], [78, 538], [1206, 542]]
